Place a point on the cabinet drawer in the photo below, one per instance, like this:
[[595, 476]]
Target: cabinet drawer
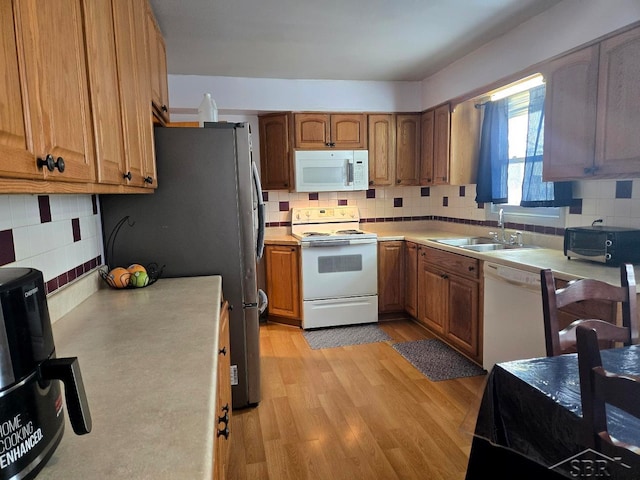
[[453, 263]]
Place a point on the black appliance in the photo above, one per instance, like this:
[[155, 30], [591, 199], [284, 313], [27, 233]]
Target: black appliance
[[205, 218], [31, 414], [608, 245]]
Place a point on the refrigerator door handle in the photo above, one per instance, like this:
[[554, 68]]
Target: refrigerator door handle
[[261, 219]]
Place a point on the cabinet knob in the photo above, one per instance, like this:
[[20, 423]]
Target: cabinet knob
[[222, 351], [370, 182], [224, 432], [224, 418], [60, 164], [398, 181], [128, 176], [47, 162], [148, 180], [471, 268], [286, 184], [164, 108]]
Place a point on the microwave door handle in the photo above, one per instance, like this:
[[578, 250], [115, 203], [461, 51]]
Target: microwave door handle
[[349, 172]]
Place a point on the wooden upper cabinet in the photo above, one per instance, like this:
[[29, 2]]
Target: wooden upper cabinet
[[407, 148], [382, 149], [55, 85], [617, 138], [16, 148], [105, 92], [466, 123], [135, 91], [441, 136], [157, 66], [323, 130], [426, 150], [570, 114], [275, 152]]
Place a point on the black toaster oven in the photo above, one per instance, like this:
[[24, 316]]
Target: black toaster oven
[[608, 245]]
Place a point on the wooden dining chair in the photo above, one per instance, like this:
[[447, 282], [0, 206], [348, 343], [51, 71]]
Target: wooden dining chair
[[599, 387], [563, 340]]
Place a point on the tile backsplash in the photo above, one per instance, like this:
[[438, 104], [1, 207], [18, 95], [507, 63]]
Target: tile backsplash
[[616, 202], [59, 235]]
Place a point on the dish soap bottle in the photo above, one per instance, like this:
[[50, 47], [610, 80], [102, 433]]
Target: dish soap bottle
[[208, 110]]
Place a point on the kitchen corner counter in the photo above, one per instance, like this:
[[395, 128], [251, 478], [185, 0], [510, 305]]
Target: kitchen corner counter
[[149, 370]]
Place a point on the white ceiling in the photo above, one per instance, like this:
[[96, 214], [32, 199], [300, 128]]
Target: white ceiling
[[331, 39]]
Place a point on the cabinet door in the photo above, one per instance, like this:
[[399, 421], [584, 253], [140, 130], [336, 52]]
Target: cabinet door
[[223, 400], [17, 157], [382, 149], [275, 154], [157, 66], [411, 279], [348, 131], [407, 148], [105, 94], [426, 150], [570, 115], [463, 314], [466, 122], [432, 297], [135, 96], [391, 276], [283, 280], [441, 135], [617, 139], [55, 79], [312, 130]]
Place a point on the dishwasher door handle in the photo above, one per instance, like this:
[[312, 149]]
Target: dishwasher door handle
[[512, 276]]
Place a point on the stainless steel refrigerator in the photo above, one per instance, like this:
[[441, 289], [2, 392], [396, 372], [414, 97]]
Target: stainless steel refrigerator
[[205, 218]]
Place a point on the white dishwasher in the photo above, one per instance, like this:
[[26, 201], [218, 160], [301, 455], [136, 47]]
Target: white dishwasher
[[513, 320]]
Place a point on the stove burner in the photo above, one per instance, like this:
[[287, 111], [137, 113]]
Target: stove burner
[[350, 232], [315, 234]]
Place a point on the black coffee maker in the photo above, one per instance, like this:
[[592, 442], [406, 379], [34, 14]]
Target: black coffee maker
[[31, 414]]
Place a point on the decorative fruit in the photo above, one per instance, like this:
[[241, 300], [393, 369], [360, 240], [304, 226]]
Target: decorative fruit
[[139, 279], [136, 267], [118, 277]]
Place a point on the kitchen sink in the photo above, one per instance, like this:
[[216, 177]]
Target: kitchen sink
[[479, 244]]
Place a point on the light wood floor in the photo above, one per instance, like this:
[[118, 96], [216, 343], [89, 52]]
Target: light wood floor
[[358, 412]]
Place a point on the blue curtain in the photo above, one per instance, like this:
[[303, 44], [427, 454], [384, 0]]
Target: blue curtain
[[535, 192], [493, 163]]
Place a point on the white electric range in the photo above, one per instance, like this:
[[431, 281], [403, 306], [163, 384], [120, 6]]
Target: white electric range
[[339, 267]]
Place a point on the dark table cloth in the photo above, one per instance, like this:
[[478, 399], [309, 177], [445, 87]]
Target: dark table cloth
[[530, 426]]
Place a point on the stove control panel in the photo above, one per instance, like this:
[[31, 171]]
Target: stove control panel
[[324, 214]]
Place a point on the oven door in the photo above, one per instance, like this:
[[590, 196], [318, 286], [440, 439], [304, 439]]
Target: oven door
[[336, 269]]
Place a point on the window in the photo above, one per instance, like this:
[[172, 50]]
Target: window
[[510, 166]]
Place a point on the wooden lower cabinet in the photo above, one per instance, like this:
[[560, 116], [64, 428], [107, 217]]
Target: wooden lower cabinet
[[283, 284], [391, 276], [223, 398], [411, 278], [448, 298]]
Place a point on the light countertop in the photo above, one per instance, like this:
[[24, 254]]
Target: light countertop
[[149, 369]]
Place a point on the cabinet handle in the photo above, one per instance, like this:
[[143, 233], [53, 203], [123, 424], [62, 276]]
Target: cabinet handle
[[286, 184], [444, 276], [164, 108], [224, 432], [398, 181], [222, 351], [47, 162], [471, 268], [128, 176], [370, 182], [148, 180]]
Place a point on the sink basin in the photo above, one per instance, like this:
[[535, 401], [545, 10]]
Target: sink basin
[[460, 242], [478, 244]]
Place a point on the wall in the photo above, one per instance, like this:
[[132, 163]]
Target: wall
[[57, 234], [563, 27]]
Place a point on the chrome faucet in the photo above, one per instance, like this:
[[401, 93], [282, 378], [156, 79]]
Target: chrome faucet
[[514, 239]]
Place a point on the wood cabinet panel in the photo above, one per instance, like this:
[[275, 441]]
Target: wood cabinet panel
[[275, 152], [157, 66], [432, 297], [16, 148], [59, 117], [617, 139], [411, 279], [282, 264], [348, 131], [223, 397], [391, 276], [105, 94], [570, 114], [426, 150], [453, 263], [441, 136], [382, 150], [464, 152], [407, 149], [342, 131], [463, 321], [312, 130]]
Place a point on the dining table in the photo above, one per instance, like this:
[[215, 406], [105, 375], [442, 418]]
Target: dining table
[[529, 424]]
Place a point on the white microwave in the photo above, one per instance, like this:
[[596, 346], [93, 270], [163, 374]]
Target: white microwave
[[331, 170]]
